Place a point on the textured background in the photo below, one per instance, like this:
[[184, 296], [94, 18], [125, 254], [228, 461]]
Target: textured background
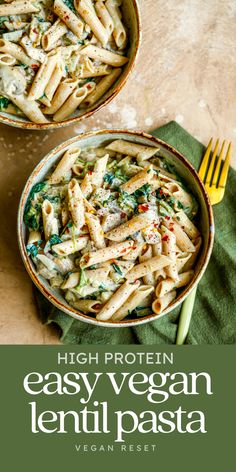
[[190, 77]]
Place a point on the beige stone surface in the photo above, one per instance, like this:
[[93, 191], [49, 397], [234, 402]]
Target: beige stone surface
[[186, 71]]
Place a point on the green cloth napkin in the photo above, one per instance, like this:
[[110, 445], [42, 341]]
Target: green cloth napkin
[[214, 316]]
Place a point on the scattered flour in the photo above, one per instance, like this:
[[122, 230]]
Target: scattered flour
[[202, 103], [80, 129], [179, 119], [128, 116], [149, 121]]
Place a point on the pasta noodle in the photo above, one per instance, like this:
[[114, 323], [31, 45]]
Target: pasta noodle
[[66, 53], [112, 243]]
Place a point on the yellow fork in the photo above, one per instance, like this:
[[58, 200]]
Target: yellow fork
[[213, 172]]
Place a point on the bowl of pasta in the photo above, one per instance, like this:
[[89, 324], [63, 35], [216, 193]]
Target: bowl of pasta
[[62, 60], [115, 228]]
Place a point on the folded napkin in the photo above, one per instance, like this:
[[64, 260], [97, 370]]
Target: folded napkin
[[214, 316]]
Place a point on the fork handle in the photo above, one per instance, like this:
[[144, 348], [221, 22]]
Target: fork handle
[[185, 317]]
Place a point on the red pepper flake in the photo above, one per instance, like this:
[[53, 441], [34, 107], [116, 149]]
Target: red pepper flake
[[134, 247], [123, 214], [122, 252], [90, 172], [97, 306], [172, 229], [165, 237], [143, 208], [35, 66], [35, 31], [167, 217]]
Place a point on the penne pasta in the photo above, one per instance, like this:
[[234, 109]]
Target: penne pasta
[[168, 285], [73, 102], [64, 90], [135, 299], [95, 230], [143, 177], [160, 304], [191, 261], [7, 59], [30, 108], [76, 203], [122, 232], [99, 171], [53, 34], [169, 249], [86, 185], [34, 237], [182, 240], [151, 265], [132, 149], [187, 225], [108, 57], [90, 17], [64, 165], [70, 246], [50, 223], [52, 85], [15, 51], [103, 255], [102, 87], [145, 255], [117, 300], [43, 76], [104, 16], [119, 32], [87, 306], [72, 21]]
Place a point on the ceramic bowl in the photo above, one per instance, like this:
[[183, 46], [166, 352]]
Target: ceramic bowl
[[183, 168], [132, 21]]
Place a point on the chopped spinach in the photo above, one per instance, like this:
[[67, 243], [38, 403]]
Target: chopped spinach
[[102, 288], [117, 268], [32, 250], [126, 201], [140, 311], [109, 177], [142, 191], [82, 281], [54, 240], [32, 213], [4, 102], [32, 217], [70, 5], [52, 198], [161, 196]]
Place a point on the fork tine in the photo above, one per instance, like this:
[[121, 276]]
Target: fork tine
[[218, 165], [224, 172], [212, 164], [204, 163]]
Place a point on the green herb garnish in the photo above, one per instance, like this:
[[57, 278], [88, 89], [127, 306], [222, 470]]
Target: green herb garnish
[[4, 102], [117, 268], [54, 240], [142, 191], [70, 5], [32, 250]]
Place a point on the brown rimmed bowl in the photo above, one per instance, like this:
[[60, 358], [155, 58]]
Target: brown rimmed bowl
[[185, 170], [132, 21]]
